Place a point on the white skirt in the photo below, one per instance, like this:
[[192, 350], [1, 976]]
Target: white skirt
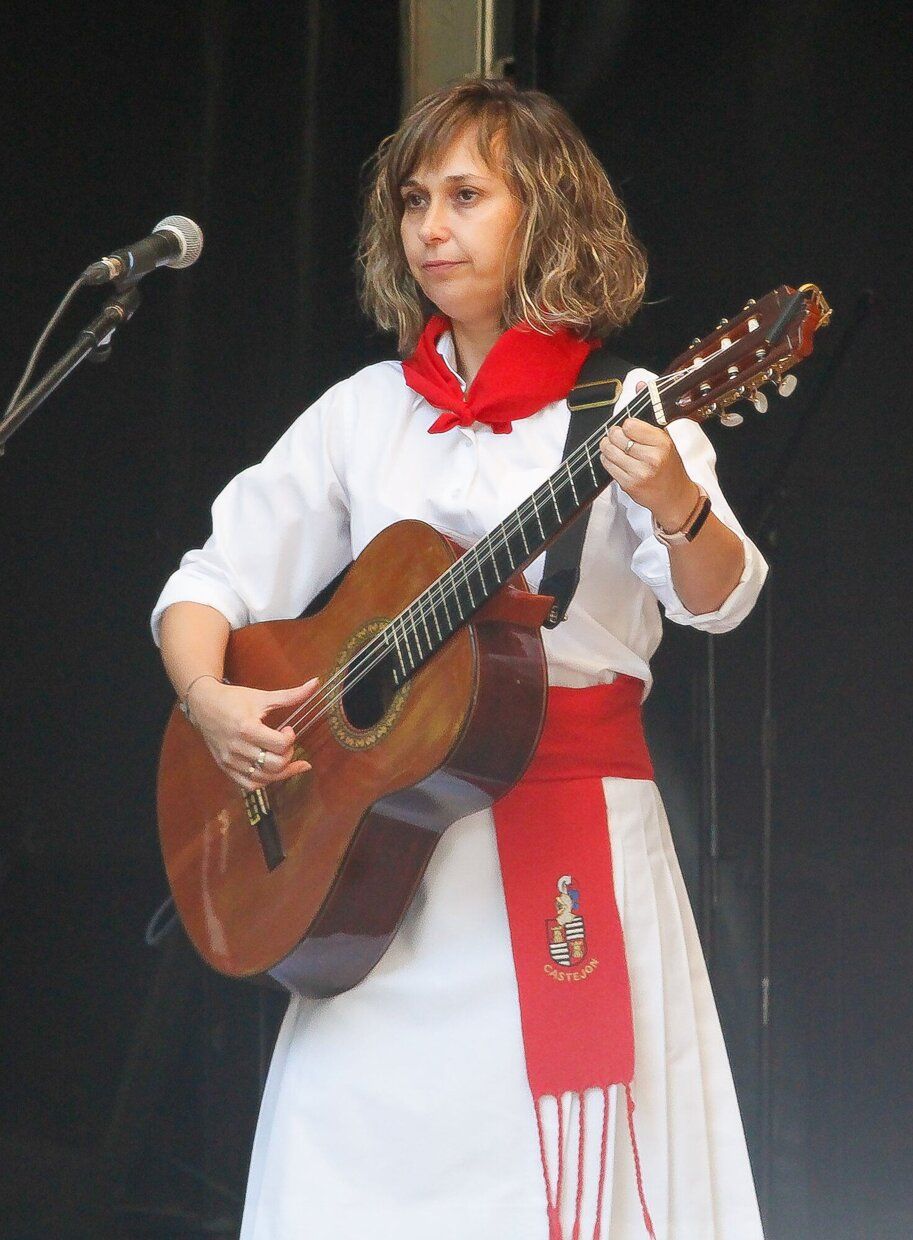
[[401, 1109]]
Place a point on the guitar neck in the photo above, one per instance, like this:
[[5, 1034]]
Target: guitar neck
[[760, 345], [448, 603]]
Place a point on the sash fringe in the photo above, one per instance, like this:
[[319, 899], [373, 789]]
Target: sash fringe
[[603, 1158], [554, 1195], [648, 1222]]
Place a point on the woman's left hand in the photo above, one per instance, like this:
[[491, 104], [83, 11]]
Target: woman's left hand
[[645, 463]]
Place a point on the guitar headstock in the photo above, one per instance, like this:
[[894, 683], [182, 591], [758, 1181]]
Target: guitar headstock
[[759, 346]]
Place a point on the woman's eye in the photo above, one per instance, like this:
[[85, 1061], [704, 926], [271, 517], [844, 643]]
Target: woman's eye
[[467, 195]]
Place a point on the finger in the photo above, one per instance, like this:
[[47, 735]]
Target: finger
[[619, 439], [273, 765], [240, 777], [290, 702], [638, 450], [258, 735], [293, 768], [640, 432], [623, 467], [292, 697], [258, 762]]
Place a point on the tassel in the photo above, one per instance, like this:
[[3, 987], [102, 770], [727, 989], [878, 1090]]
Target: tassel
[[559, 1187], [597, 1230], [581, 1144], [637, 1169], [553, 1199], [554, 1217]]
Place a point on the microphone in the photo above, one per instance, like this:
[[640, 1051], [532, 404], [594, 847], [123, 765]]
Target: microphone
[[175, 241]]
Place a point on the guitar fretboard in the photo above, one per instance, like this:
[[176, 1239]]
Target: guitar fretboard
[[416, 633]]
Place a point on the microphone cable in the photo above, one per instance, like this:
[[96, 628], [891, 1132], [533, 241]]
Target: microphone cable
[[42, 341]]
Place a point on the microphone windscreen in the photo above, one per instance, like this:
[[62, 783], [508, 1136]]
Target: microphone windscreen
[[188, 233]]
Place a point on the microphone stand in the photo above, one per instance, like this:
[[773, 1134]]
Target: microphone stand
[[94, 341], [760, 527]]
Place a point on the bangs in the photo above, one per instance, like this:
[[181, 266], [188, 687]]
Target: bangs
[[428, 142]]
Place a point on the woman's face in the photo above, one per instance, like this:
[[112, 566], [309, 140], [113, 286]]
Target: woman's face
[[459, 231]]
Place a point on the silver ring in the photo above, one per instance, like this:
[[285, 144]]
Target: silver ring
[[252, 770], [260, 759], [629, 445]]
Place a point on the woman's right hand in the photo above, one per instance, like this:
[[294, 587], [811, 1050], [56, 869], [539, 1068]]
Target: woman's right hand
[[230, 720]]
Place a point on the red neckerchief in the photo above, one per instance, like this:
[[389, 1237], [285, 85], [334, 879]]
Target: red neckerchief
[[565, 930], [524, 371]]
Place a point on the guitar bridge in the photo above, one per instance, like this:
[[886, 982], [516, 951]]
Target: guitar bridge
[[263, 820]]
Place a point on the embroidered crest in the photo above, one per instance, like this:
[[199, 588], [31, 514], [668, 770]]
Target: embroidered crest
[[566, 931]]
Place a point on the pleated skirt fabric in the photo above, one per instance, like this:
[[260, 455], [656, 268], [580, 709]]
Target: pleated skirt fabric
[[401, 1110]]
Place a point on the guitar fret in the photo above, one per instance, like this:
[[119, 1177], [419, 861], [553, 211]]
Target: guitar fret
[[484, 557], [408, 647], [416, 637], [554, 500], [504, 546], [523, 536], [399, 653], [469, 589], [427, 634], [570, 478], [436, 624], [442, 600], [532, 500]]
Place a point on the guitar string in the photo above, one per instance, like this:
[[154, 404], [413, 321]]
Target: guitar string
[[428, 604], [378, 648]]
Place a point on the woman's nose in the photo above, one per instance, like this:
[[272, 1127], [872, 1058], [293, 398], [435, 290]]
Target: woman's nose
[[434, 223]]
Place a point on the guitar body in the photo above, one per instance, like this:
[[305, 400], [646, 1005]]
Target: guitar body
[[311, 883]]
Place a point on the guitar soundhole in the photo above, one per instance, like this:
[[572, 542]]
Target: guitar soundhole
[[367, 697]]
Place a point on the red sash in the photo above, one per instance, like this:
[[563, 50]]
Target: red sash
[[568, 947]]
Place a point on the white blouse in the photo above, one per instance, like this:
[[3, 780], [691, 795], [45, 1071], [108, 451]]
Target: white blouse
[[361, 458]]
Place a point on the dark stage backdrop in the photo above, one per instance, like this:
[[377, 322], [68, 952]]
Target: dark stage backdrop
[[752, 146]]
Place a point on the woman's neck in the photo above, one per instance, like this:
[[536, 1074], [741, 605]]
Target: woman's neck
[[472, 344]]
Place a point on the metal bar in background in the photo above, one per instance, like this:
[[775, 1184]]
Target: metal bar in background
[[447, 39]]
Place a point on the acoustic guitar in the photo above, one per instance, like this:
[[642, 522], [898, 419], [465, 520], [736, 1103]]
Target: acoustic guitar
[[431, 700]]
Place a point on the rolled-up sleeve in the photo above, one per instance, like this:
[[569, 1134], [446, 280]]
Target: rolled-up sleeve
[[280, 530], [650, 561]]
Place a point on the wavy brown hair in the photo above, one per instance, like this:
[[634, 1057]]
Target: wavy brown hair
[[578, 264]]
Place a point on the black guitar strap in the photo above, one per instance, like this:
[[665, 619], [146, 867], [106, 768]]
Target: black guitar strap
[[591, 401]]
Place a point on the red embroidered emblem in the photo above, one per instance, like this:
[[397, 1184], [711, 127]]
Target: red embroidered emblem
[[566, 932]]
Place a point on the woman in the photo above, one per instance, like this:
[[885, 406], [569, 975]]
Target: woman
[[495, 247]]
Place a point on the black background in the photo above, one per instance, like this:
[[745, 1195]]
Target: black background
[[753, 146]]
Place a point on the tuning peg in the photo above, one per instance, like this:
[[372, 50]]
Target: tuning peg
[[759, 400], [787, 385], [731, 418]]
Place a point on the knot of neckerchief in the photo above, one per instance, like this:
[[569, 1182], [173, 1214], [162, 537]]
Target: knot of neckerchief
[[525, 370]]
